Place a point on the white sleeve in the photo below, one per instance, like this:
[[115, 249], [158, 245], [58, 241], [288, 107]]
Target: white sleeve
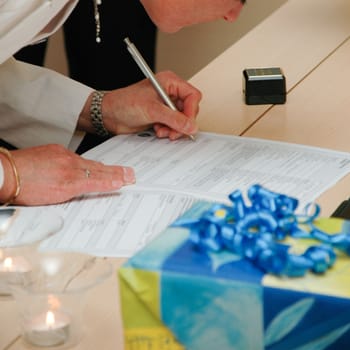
[[26, 21], [37, 105]]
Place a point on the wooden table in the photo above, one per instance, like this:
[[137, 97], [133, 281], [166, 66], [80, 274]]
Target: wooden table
[[310, 41]]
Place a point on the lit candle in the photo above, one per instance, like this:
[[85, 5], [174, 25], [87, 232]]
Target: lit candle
[[13, 270], [48, 329]]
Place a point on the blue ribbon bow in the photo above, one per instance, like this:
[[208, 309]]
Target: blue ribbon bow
[[256, 232]]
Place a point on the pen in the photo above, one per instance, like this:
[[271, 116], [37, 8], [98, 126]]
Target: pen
[[147, 71]]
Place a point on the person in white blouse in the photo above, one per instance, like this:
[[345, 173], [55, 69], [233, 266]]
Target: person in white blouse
[[41, 110]]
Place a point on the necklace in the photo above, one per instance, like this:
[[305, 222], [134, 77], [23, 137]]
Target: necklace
[[97, 3]]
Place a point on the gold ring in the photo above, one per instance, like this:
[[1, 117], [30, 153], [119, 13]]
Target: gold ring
[[87, 173]]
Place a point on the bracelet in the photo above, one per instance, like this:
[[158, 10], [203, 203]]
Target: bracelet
[[17, 190], [96, 114]]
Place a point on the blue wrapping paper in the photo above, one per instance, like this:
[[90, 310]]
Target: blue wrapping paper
[[175, 297]]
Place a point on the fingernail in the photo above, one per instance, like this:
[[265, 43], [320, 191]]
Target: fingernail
[[117, 184], [190, 128], [129, 175]]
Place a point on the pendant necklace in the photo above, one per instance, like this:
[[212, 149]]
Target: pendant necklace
[[97, 3]]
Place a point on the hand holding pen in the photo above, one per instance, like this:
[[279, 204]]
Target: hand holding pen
[[150, 75]]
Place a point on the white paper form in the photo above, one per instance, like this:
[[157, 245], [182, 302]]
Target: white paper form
[[172, 175]]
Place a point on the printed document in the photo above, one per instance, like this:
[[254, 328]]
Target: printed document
[[172, 175]]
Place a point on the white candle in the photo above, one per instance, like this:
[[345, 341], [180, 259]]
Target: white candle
[[13, 270], [48, 329]]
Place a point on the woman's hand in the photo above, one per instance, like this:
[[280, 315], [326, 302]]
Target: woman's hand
[[52, 174], [139, 107]]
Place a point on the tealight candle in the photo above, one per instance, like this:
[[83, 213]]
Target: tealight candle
[[48, 329], [13, 270]]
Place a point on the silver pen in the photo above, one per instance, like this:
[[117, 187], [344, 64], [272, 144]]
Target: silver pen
[[147, 71]]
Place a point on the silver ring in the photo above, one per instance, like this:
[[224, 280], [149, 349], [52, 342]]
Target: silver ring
[[87, 173]]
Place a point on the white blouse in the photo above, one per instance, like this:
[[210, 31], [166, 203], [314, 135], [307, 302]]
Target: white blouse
[[24, 22]]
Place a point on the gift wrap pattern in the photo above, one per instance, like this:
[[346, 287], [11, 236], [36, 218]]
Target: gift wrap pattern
[[175, 297]]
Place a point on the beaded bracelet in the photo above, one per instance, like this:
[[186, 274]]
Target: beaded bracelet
[[17, 190]]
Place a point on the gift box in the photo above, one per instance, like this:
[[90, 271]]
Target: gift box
[[176, 296]]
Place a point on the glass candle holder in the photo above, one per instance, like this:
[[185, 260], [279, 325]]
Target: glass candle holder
[[21, 231], [51, 304], [15, 267]]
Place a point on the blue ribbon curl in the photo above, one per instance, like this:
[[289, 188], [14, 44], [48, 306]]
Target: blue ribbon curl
[[256, 232]]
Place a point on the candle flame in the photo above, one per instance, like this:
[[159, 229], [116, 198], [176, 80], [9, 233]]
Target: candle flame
[[50, 318], [8, 263]]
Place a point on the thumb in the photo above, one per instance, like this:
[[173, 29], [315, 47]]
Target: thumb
[[175, 120]]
